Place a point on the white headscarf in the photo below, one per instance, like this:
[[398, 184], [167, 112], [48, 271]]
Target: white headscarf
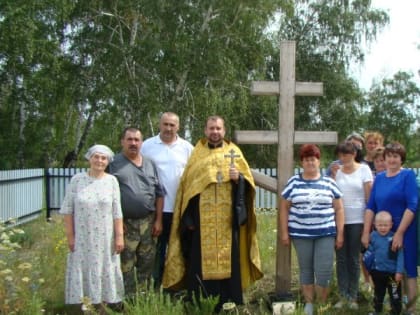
[[102, 149]]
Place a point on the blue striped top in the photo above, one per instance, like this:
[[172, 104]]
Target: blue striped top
[[311, 214]]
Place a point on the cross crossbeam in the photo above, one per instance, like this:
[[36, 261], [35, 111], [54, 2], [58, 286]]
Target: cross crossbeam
[[272, 137], [287, 88], [232, 157]]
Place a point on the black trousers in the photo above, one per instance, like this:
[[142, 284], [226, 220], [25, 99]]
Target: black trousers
[[161, 247], [384, 281]]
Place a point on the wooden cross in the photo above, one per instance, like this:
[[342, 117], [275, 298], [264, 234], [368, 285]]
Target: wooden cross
[[286, 136], [232, 157]]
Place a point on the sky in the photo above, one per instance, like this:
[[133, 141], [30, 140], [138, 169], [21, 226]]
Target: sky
[[396, 46]]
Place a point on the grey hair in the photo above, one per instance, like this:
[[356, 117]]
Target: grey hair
[[102, 149]]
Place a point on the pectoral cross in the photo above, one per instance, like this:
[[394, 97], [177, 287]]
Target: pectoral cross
[[219, 177], [232, 157]]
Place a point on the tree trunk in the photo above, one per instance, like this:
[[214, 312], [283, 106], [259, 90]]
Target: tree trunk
[[22, 140], [72, 156]]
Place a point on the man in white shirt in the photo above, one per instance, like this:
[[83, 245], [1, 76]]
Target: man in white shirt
[[170, 154]]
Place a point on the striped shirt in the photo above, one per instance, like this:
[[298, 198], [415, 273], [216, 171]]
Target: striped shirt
[[311, 214]]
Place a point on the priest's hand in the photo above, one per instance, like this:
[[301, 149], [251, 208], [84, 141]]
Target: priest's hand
[[233, 173]]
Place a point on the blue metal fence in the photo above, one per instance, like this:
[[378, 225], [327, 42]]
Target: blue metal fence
[[56, 180], [25, 193], [265, 198], [21, 194]]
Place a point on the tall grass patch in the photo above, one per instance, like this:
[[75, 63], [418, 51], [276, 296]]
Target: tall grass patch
[[33, 264]]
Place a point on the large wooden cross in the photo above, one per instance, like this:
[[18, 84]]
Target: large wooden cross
[[286, 136]]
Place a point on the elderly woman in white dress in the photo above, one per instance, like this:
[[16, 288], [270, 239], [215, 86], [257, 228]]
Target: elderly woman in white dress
[[94, 230]]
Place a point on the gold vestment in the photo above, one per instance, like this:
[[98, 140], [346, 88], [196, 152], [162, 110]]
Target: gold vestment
[[207, 174], [216, 231]]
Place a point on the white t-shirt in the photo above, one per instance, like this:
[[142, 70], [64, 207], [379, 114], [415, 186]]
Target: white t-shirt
[[352, 187], [170, 160]]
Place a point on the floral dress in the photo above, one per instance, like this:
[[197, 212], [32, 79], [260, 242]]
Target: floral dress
[[93, 268]]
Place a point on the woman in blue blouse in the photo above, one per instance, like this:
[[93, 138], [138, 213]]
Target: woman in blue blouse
[[396, 190]]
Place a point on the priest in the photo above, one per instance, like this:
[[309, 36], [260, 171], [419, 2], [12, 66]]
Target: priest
[[213, 249]]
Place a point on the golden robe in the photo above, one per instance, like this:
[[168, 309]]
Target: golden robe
[[205, 168]]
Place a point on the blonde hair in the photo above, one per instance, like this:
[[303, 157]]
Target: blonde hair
[[378, 152], [383, 215], [375, 135]]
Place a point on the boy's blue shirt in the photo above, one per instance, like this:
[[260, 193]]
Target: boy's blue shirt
[[384, 259]]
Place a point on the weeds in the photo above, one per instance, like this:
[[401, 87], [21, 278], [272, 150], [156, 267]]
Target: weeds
[[20, 281], [150, 301], [33, 264]]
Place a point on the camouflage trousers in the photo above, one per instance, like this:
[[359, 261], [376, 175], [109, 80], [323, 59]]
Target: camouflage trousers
[[138, 256]]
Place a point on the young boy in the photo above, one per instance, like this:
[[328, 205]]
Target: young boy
[[385, 266]]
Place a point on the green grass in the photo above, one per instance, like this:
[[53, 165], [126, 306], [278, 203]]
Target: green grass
[[32, 276]]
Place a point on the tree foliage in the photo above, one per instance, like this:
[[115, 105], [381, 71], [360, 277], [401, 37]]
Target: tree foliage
[[123, 62], [329, 37], [74, 73], [393, 108]]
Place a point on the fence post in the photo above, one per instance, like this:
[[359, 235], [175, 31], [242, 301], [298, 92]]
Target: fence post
[[47, 193]]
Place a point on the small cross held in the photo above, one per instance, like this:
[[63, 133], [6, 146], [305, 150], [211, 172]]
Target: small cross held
[[232, 157]]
